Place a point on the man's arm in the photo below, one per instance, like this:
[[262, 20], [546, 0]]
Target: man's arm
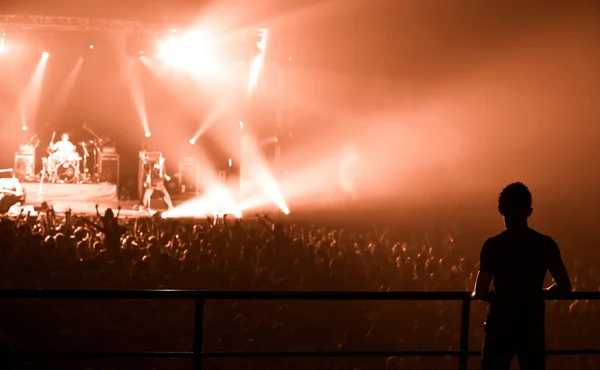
[[484, 276], [482, 285], [90, 223], [558, 271]]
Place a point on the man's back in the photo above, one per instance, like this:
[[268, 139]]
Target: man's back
[[518, 260]]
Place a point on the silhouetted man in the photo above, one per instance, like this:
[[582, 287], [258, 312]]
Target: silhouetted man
[[517, 260]]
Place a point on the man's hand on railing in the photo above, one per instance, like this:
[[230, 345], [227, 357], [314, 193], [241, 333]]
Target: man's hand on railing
[[556, 291], [488, 298]]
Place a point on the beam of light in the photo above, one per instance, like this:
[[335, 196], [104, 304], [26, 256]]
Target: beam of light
[[30, 98], [224, 106], [216, 202], [218, 197], [300, 186], [132, 78], [194, 51], [257, 63], [256, 169], [224, 102], [204, 56], [153, 66], [65, 90]]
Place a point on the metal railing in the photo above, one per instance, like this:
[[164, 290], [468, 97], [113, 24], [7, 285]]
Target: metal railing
[[199, 297]]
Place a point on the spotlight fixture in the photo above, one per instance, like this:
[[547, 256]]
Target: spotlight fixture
[[192, 141], [24, 128], [148, 134]]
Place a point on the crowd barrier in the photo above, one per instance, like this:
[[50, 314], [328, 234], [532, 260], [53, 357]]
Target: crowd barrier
[[199, 297]]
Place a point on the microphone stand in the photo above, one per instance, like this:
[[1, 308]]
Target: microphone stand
[[86, 171], [40, 194], [96, 151]]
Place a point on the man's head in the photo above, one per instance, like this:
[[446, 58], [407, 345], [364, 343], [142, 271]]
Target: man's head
[[514, 202], [65, 137]]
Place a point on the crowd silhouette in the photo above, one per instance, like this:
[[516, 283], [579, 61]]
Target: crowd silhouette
[[51, 251]]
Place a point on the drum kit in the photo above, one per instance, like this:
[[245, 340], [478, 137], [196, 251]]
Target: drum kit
[[72, 167]]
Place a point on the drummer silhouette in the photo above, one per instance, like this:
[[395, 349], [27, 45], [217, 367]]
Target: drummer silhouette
[[63, 147]]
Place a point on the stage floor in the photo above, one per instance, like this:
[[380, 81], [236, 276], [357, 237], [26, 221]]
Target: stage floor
[[82, 199], [95, 193]]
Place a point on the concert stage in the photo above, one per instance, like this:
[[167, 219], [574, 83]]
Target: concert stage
[[61, 193]]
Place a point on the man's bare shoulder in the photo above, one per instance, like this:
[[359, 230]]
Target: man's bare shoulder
[[528, 234]]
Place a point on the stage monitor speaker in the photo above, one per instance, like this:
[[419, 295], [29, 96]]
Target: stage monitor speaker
[[109, 168], [24, 168]]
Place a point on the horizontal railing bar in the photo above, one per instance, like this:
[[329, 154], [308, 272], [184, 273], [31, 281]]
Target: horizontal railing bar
[[289, 354], [299, 354], [90, 355], [230, 295], [568, 352], [254, 295]]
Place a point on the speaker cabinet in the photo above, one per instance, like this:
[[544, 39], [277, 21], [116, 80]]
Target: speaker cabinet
[[24, 168], [108, 166]]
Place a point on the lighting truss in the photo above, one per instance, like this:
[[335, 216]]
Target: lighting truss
[[41, 22]]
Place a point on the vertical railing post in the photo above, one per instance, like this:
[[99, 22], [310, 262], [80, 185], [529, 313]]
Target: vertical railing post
[[465, 319], [198, 332]]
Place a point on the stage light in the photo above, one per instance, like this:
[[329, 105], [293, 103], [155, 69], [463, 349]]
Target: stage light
[[24, 128], [192, 141], [241, 125], [91, 46], [230, 162], [45, 55], [174, 30], [2, 47], [148, 134]]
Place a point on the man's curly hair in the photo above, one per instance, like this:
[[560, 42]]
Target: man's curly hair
[[515, 200]]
